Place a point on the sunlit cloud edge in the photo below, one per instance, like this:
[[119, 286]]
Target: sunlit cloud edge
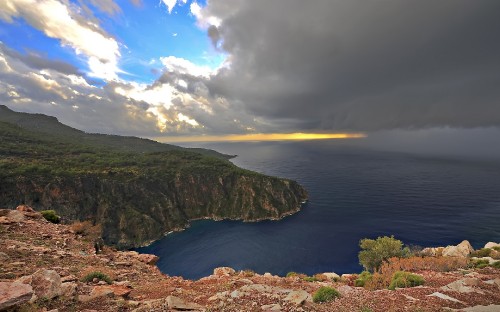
[[260, 137]]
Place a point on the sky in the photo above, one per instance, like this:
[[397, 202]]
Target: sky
[[171, 69]]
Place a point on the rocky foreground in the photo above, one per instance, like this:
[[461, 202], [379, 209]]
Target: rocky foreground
[[46, 267]]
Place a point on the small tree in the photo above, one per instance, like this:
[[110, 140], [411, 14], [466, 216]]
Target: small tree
[[375, 252], [51, 216]]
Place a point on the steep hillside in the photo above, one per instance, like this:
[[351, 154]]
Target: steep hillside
[[51, 127], [136, 193]]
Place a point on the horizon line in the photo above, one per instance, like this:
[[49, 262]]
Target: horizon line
[[297, 136]]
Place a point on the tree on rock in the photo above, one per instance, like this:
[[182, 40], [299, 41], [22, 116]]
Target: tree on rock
[[375, 252]]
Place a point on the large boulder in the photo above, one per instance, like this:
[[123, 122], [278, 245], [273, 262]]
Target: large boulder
[[298, 297], [8, 216], [148, 259], [331, 275], [45, 283], [13, 294], [491, 245], [464, 249], [224, 271]]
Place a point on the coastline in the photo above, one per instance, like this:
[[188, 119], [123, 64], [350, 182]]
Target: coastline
[[217, 219]]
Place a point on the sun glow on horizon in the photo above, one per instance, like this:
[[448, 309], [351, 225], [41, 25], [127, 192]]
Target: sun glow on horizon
[[260, 137]]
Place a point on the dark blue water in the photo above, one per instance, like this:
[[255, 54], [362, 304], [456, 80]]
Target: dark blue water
[[354, 193]]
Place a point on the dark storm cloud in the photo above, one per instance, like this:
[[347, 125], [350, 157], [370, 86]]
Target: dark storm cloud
[[361, 65], [36, 61]]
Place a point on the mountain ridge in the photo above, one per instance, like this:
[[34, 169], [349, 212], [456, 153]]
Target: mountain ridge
[[51, 125]]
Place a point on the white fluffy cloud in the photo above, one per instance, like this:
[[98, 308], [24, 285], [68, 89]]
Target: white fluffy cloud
[[178, 103], [61, 21], [183, 66]]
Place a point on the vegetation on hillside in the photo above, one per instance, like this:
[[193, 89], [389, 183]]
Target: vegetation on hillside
[[375, 252], [23, 152], [136, 189]]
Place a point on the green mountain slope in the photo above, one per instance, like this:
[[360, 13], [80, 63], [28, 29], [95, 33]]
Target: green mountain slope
[[49, 125], [136, 189]]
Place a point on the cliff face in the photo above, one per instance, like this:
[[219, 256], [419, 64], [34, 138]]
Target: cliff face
[[141, 210], [136, 189]]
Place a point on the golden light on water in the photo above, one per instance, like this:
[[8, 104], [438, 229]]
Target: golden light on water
[[261, 137]]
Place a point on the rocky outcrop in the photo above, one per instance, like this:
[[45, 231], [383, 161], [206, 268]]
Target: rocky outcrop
[[141, 209], [45, 283], [42, 253], [464, 249], [491, 245]]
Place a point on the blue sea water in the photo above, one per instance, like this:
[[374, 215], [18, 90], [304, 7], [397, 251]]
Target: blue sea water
[[354, 193]]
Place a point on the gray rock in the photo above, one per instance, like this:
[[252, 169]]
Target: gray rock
[[444, 297], [13, 294], [45, 283], [176, 303], [332, 275], [68, 289], [271, 307], [491, 245], [463, 286], [298, 297], [464, 249], [496, 281]]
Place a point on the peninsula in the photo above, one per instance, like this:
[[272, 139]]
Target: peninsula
[[135, 189]]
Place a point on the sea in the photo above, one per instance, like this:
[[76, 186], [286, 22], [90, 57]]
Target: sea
[[354, 193]]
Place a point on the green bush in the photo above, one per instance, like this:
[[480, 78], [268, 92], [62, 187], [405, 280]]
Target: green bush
[[291, 274], [403, 279], [497, 248], [483, 252], [325, 294], [481, 263], [310, 279], [99, 275], [496, 265], [362, 279], [375, 252], [50, 215]]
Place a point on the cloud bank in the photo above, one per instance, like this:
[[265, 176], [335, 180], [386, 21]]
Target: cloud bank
[[361, 65], [291, 66]]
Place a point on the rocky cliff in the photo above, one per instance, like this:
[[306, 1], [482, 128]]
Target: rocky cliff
[[142, 209], [137, 193]]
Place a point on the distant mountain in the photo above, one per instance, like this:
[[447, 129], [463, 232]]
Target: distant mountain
[[136, 189], [50, 125]]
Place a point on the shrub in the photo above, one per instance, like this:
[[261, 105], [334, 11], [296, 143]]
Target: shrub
[[325, 294], [248, 273], [321, 277], [310, 279], [483, 252], [375, 252], [291, 274], [497, 248], [50, 215], [415, 264], [496, 265], [403, 279], [362, 279], [99, 275], [481, 263]]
